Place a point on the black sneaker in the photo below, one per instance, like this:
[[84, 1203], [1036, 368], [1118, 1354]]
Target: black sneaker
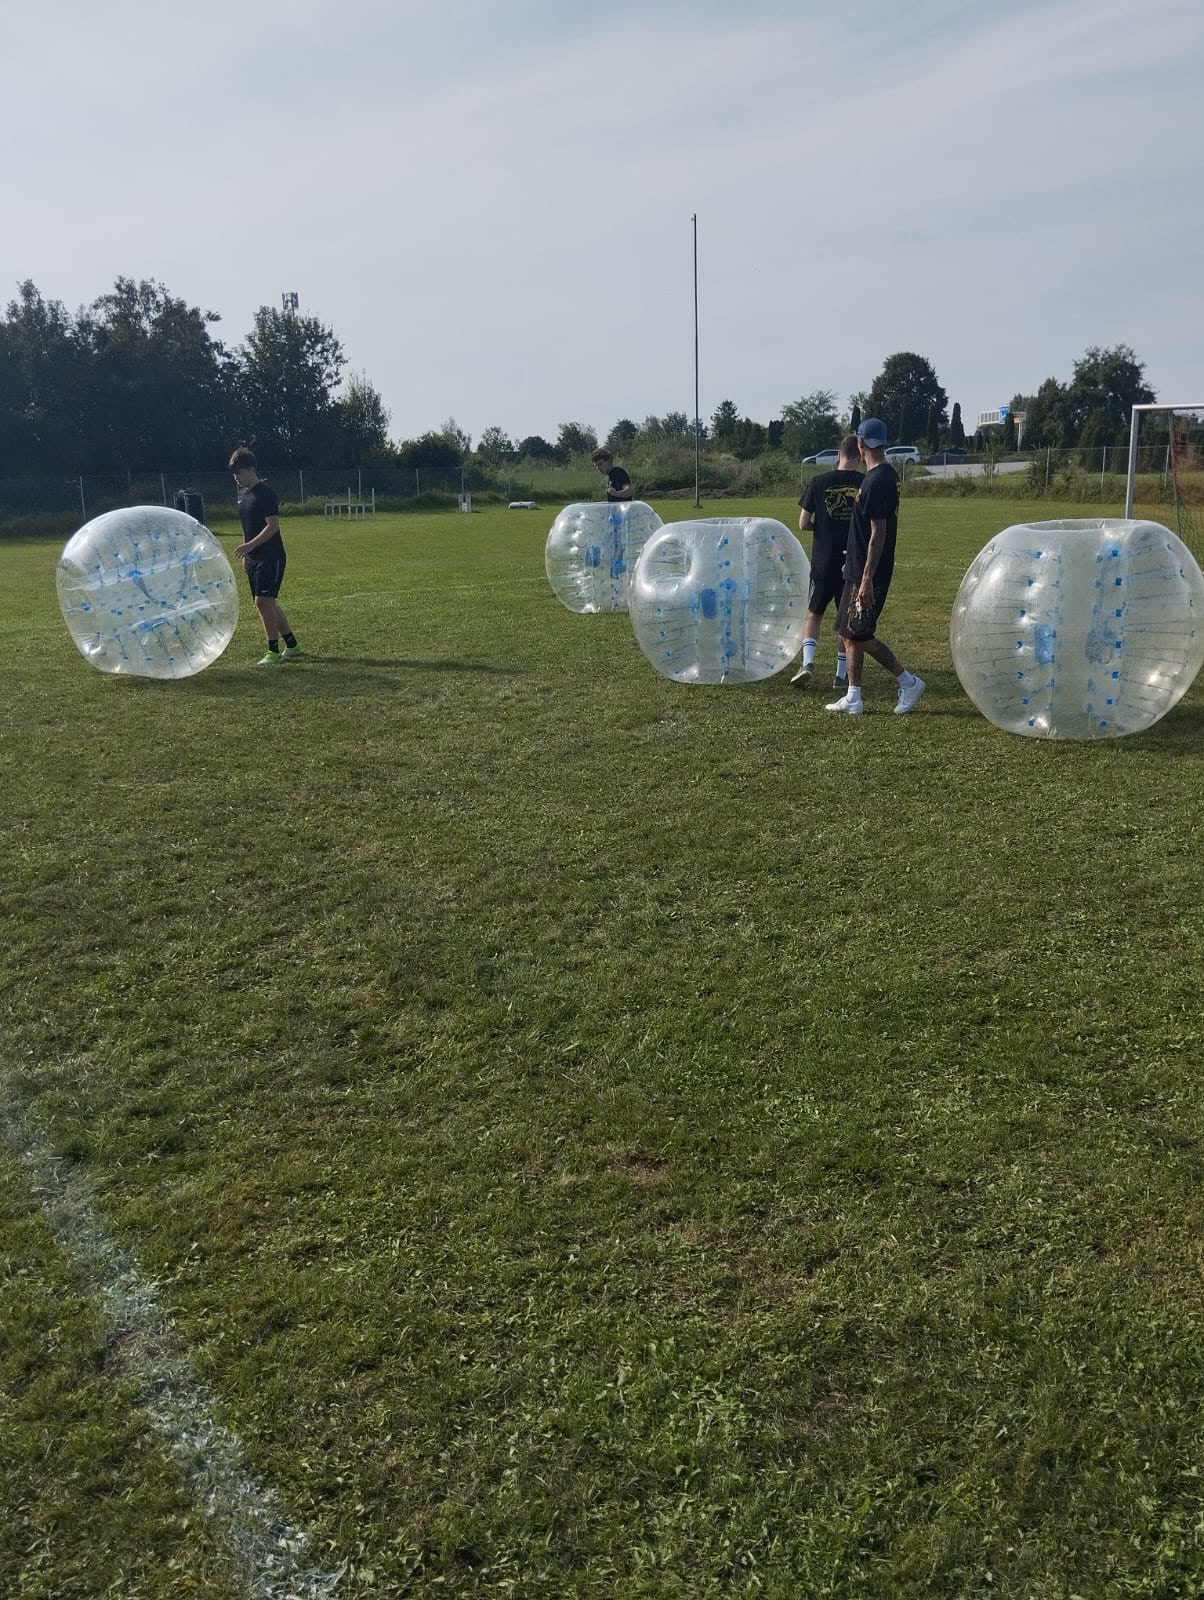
[[802, 678]]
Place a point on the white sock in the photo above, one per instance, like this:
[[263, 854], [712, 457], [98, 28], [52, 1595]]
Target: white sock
[[808, 652], [853, 693], [842, 666], [906, 679]]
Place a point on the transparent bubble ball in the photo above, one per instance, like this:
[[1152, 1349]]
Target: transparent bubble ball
[[1079, 629], [592, 550], [721, 599], [147, 590]]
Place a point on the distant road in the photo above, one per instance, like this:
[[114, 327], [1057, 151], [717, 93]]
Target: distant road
[[974, 469]]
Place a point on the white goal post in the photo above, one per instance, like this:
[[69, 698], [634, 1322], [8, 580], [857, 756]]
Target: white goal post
[[1194, 411]]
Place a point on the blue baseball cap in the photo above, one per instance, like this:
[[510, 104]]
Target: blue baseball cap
[[872, 432]]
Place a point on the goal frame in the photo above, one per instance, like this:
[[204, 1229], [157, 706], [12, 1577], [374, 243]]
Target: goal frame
[[1134, 428]]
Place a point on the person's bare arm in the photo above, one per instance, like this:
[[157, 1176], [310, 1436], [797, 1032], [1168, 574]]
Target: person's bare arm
[[873, 555], [269, 531]]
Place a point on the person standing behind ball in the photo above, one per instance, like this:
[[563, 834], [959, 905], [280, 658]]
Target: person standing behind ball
[[262, 555], [827, 509], [869, 563], [618, 484]]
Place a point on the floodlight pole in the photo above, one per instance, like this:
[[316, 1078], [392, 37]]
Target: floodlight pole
[[697, 419]]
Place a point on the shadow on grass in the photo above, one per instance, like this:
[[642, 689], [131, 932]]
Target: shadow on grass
[[1180, 733], [327, 674], [396, 663]]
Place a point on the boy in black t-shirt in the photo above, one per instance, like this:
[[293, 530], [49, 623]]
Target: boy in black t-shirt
[[618, 484], [869, 563], [262, 555], [827, 509]]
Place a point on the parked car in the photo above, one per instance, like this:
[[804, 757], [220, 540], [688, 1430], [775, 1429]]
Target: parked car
[[940, 458], [899, 454], [825, 458]]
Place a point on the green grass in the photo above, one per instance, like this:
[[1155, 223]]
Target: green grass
[[597, 1137]]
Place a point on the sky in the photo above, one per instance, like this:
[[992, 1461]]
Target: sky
[[490, 201]]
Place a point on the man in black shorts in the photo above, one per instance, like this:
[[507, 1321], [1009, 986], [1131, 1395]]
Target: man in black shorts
[[618, 484], [869, 563], [827, 509], [262, 555]]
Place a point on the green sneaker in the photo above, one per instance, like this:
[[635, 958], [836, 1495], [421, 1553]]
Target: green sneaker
[[292, 651], [272, 659]]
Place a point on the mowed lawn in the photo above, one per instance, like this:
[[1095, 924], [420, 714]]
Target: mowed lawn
[[597, 1137]]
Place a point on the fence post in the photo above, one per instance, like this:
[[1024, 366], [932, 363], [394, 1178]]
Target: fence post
[[83, 510], [417, 485], [301, 480], [163, 486], [1048, 454]]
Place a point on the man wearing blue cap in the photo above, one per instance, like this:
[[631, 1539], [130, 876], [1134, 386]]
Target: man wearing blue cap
[[869, 563]]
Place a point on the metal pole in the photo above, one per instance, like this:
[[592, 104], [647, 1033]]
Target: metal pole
[[163, 486], [697, 424], [1130, 481], [83, 510], [301, 481], [359, 478]]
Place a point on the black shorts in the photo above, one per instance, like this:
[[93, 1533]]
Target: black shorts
[[881, 590], [827, 582], [265, 577]]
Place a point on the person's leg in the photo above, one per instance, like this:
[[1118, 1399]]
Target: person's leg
[[850, 700], [803, 676], [882, 654]]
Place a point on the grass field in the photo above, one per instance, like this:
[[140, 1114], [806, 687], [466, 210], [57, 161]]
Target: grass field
[[595, 1137]]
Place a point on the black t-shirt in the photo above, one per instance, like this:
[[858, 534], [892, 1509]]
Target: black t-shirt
[[829, 498], [255, 506], [617, 479], [877, 502]]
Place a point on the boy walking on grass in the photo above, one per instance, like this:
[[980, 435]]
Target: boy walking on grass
[[262, 555]]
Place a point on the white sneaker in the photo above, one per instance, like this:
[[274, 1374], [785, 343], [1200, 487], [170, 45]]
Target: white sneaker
[[851, 708], [909, 696]]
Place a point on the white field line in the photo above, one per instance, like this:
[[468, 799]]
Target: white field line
[[265, 1552]]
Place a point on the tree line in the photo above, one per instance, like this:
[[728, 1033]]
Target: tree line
[[137, 381]]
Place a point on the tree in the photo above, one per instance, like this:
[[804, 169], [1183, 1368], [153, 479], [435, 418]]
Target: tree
[[1047, 420], [455, 435], [41, 377], [675, 425], [932, 430], [723, 421], [957, 432], [575, 439], [495, 447], [902, 393], [431, 452], [1008, 438], [856, 409], [362, 424], [289, 369], [1105, 386], [749, 439], [811, 424], [621, 436], [535, 448]]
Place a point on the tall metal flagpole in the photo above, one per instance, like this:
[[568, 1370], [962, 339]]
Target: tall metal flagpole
[[697, 421]]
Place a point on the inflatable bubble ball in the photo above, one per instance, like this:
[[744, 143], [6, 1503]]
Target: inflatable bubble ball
[[592, 550], [721, 600], [1079, 629], [148, 591]]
